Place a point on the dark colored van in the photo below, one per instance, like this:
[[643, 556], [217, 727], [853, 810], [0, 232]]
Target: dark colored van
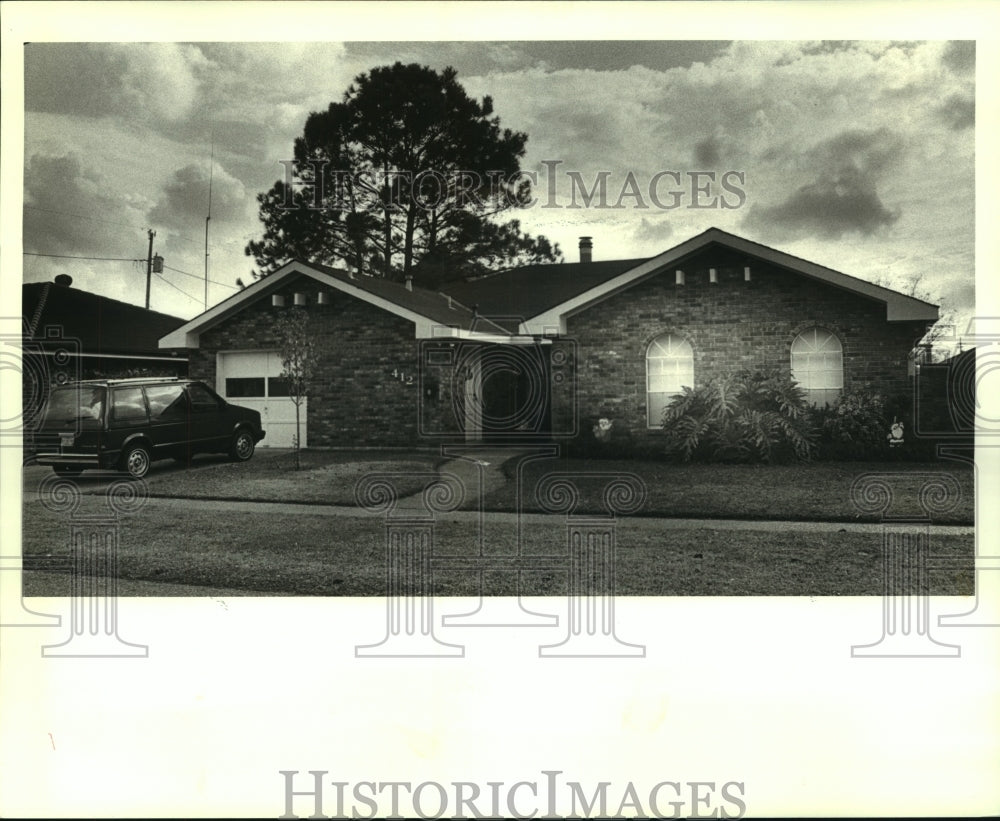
[[126, 424]]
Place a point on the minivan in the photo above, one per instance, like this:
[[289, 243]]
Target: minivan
[[126, 424]]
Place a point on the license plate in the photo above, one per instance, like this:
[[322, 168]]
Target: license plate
[[66, 439]]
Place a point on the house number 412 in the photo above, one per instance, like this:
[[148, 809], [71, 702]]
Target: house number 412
[[405, 378]]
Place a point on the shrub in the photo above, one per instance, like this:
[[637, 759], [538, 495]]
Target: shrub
[[854, 427], [749, 416]]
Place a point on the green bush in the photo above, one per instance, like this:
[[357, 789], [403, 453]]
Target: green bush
[[854, 427], [749, 416]]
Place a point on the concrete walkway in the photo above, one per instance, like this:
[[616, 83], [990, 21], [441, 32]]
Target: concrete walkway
[[642, 523]]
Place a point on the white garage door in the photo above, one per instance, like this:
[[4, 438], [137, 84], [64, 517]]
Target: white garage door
[[253, 379]]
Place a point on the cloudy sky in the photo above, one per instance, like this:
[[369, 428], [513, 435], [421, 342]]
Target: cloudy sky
[[858, 155]]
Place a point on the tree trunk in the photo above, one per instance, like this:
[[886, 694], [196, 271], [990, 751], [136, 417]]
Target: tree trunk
[[298, 440]]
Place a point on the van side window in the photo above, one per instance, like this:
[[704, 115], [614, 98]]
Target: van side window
[[202, 401], [166, 402], [128, 405]]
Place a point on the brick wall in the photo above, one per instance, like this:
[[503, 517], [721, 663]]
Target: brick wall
[[731, 325], [355, 400]]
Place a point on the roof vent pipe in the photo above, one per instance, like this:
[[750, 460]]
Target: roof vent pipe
[[64, 279], [409, 282], [586, 249]]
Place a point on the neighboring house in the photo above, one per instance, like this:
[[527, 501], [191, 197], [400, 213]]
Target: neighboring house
[[74, 334], [544, 350]]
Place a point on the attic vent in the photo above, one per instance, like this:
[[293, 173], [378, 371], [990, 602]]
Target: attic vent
[[300, 299], [322, 298], [277, 300], [679, 277], [746, 274], [713, 276]]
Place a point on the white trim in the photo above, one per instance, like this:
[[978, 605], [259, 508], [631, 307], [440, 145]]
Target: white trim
[[899, 307], [188, 335]]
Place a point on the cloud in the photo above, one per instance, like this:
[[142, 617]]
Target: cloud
[[960, 56], [707, 152], [184, 202], [958, 111], [827, 208], [652, 234], [843, 197], [69, 209], [131, 81]]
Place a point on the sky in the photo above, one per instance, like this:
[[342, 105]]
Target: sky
[[858, 155]]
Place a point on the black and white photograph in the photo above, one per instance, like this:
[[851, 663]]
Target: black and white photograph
[[487, 410]]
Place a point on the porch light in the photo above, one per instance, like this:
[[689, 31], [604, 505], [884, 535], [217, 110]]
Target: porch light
[[300, 299], [713, 276], [322, 298], [746, 274], [679, 277], [277, 300]]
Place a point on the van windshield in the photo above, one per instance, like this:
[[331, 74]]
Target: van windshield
[[75, 404]]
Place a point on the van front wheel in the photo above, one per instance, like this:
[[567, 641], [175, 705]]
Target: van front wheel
[[243, 446]]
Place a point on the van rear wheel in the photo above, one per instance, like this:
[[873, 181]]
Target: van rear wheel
[[135, 461]]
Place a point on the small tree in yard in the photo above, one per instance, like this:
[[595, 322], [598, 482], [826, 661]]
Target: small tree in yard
[[298, 361]]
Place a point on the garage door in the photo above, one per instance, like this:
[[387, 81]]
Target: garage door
[[253, 379]]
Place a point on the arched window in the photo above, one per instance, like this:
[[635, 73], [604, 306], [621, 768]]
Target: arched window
[[669, 367], [818, 365]]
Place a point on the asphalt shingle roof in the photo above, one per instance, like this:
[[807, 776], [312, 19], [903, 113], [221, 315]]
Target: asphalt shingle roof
[[101, 324], [529, 290]]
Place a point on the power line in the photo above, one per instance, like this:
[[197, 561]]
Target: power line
[[178, 289], [67, 256], [200, 279]]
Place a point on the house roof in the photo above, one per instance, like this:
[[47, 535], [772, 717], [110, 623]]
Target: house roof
[[100, 324], [563, 290], [432, 313], [531, 289], [536, 299]]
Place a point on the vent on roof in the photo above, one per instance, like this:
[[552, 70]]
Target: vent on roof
[[64, 279], [409, 282], [586, 249]]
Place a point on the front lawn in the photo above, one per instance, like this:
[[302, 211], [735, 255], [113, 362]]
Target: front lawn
[[266, 552], [326, 477], [817, 491]]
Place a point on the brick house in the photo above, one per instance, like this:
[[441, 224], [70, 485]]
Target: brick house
[[540, 351]]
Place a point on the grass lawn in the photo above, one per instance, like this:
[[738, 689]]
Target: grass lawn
[[319, 555], [326, 477], [818, 491]]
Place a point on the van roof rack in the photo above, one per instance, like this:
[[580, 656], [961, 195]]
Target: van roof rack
[[129, 379]]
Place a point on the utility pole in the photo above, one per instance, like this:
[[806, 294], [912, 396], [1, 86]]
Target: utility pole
[[149, 265]]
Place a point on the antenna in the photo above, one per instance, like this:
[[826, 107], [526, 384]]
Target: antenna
[[211, 172]]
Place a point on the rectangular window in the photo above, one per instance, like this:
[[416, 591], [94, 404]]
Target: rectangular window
[[128, 405], [277, 386], [202, 399], [166, 402], [244, 387]]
